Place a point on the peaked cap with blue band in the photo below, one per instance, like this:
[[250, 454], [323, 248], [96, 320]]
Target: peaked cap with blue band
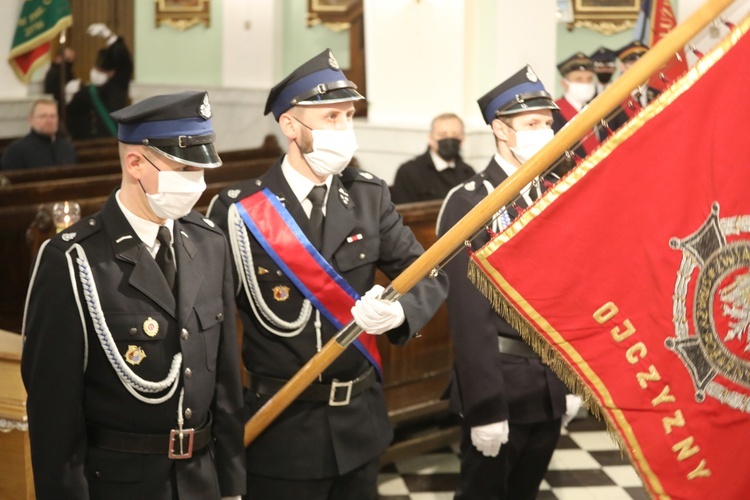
[[318, 81], [603, 56], [521, 92], [176, 125]]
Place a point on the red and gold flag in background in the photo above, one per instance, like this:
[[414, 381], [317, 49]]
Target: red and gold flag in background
[[654, 22], [632, 277]]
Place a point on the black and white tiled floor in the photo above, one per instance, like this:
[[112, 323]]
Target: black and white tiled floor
[[587, 465]]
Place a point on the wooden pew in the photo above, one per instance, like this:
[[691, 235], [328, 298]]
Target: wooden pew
[[268, 149]]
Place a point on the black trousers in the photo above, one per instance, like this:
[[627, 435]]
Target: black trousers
[[359, 484], [516, 472]]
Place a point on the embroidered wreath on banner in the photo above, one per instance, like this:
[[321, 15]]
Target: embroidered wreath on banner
[[711, 309]]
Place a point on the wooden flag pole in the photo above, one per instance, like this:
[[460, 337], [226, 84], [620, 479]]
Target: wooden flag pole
[[443, 248]]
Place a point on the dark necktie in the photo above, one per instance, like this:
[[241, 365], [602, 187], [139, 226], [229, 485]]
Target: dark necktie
[[164, 257], [316, 196]]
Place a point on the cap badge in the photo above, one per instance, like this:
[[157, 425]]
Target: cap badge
[[135, 355], [233, 193], [280, 293], [531, 75], [332, 62], [151, 327], [205, 109], [209, 222]]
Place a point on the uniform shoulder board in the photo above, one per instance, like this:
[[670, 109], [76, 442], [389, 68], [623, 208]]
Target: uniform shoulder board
[[355, 174], [200, 220], [77, 232]]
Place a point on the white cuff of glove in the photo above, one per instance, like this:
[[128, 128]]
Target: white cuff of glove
[[572, 405], [374, 315], [99, 29], [488, 438]]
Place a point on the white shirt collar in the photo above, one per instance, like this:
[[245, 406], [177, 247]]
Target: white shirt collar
[[440, 163], [301, 185], [145, 229], [511, 169], [576, 105]]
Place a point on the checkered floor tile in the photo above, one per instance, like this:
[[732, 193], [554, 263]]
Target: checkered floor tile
[[587, 465]]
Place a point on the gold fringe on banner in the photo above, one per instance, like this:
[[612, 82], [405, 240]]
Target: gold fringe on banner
[[507, 308]]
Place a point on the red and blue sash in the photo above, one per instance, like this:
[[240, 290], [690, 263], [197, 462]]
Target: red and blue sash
[[279, 235]]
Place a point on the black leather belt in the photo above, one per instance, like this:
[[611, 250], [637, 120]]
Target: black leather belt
[[516, 347], [335, 394], [176, 445]]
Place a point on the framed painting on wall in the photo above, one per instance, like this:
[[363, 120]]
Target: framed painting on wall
[[182, 14]]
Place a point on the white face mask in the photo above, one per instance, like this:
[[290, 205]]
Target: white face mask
[[529, 142], [97, 77], [332, 151], [580, 92], [177, 193]]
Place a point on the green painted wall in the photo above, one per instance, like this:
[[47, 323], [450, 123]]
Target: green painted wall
[[302, 43], [169, 56]]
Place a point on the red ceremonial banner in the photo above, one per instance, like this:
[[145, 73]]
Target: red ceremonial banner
[[661, 21], [632, 278]]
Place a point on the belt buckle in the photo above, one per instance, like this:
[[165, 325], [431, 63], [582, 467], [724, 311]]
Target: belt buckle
[[177, 436], [336, 385]]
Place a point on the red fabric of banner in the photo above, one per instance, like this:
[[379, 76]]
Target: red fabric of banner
[[662, 21], [635, 271]]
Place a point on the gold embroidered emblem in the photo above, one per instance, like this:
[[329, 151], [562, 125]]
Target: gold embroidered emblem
[[280, 293], [262, 271], [135, 355], [151, 327]]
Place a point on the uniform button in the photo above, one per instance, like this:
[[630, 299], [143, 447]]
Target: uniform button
[[92, 222], [188, 413], [219, 317], [133, 331], [188, 373], [98, 474], [362, 256], [279, 273], [184, 334], [258, 182]]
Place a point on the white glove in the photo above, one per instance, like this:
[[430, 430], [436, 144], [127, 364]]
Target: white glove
[[572, 405], [488, 438], [71, 88], [376, 316], [99, 29]]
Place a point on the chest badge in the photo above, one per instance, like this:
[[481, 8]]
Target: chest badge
[[151, 327], [280, 293], [262, 271], [135, 355]]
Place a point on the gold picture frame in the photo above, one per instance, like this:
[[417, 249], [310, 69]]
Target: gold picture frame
[[605, 16], [183, 14]]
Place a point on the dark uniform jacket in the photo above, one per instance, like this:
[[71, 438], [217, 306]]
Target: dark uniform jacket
[[84, 121], [311, 439], [36, 150], [72, 386], [629, 108], [419, 180], [488, 386]]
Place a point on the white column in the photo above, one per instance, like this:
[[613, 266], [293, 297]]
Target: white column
[[426, 57]]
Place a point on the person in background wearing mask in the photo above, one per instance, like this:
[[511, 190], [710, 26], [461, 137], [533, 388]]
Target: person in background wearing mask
[[511, 403], [579, 88], [42, 146], [432, 174], [89, 109], [605, 65], [307, 237], [120, 60], [130, 356]]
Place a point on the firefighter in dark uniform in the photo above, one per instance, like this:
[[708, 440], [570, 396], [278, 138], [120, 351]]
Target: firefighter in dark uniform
[[327, 443], [605, 65], [641, 96], [130, 356], [511, 403]]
